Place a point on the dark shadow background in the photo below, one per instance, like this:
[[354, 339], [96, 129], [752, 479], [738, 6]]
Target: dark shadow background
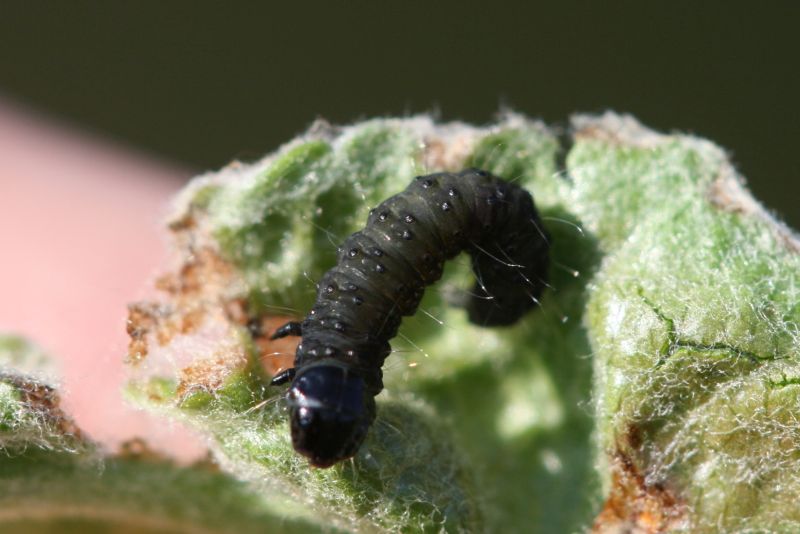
[[204, 82]]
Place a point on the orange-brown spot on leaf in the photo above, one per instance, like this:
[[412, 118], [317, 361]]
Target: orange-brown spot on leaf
[[140, 322], [634, 436], [209, 374], [184, 223], [635, 507], [138, 449], [278, 354]]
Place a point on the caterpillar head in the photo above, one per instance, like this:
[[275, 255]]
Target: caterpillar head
[[330, 413]]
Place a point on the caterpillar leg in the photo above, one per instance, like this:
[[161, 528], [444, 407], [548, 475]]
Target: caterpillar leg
[[287, 375], [289, 329]]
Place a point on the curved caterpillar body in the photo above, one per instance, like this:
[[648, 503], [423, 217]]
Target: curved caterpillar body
[[381, 275]]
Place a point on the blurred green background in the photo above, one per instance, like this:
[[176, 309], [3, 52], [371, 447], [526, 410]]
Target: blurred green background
[[202, 83]]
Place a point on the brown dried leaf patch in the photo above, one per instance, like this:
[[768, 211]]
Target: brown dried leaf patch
[[195, 290], [636, 507], [447, 153], [209, 374], [45, 402], [614, 129], [728, 193]]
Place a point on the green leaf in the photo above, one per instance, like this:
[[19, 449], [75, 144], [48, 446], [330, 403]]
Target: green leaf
[[54, 479], [655, 389], [693, 318], [486, 433]]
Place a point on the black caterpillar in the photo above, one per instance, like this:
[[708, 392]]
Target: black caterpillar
[[381, 276]]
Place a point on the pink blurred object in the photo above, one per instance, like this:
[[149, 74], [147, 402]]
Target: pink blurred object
[[80, 235]]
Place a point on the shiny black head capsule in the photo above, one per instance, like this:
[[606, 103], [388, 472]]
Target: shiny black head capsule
[[330, 413]]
